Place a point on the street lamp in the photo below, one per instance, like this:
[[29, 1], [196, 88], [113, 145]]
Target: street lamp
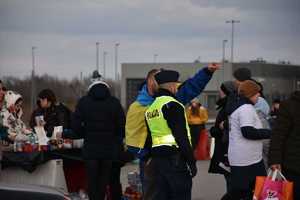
[[155, 58], [116, 60], [97, 56], [232, 35], [116, 68], [223, 57], [33, 78], [104, 62]]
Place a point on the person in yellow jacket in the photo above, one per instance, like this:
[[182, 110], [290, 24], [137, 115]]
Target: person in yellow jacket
[[197, 116]]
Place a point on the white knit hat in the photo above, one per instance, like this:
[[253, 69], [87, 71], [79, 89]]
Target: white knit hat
[[97, 79], [11, 98], [97, 82]]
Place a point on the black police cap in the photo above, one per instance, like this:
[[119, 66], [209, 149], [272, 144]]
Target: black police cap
[[166, 76]]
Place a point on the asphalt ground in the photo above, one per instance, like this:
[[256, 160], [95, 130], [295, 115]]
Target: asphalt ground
[[205, 186]]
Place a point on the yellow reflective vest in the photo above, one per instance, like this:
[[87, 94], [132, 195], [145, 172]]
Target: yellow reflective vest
[[160, 132]]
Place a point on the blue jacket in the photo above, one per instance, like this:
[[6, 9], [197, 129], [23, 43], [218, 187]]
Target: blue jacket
[[188, 90], [192, 87]]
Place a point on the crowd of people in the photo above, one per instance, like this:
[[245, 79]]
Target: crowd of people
[[162, 128]]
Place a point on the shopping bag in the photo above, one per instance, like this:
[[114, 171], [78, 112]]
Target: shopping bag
[[202, 149], [259, 184], [288, 190], [273, 187]]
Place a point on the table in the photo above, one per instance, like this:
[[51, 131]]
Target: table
[[62, 168]]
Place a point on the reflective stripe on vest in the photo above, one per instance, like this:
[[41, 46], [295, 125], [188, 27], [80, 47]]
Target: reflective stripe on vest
[[160, 132]]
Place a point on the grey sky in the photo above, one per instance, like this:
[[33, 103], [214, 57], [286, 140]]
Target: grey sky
[[65, 32]]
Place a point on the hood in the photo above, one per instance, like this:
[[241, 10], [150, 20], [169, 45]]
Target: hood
[[143, 97], [262, 106], [99, 91], [235, 101], [296, 95], [11, 98]]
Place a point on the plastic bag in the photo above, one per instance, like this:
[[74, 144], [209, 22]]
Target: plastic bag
[[203, 147], [273, 187]]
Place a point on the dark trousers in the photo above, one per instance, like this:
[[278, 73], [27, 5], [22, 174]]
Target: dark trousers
[[243, 181], [115, 182], [295, 178], [195, 133], [167, 179], [98, 175]]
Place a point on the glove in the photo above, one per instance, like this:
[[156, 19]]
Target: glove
[[192, 169]]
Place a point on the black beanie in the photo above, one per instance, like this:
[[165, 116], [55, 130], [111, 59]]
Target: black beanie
[[242, 74]]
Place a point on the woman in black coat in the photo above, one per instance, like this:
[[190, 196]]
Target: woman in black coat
[[219, 162], [54, 113], [99, 118]]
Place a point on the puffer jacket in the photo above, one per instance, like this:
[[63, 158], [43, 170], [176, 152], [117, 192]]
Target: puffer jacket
[[285, 140], [99, 118]]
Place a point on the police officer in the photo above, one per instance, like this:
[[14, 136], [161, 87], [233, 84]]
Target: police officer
[[172, 163]]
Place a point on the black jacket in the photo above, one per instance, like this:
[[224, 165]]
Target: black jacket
[[175, 117], [99, 118], [285, 140], [220, 157], [55, 115]]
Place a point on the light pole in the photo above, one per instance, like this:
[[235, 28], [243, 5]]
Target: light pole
[[116, 60], [232, 35], [80, 85], [97, 56], [155, 58], [223, 57], [116, 68], [33, 78], [104, 62]]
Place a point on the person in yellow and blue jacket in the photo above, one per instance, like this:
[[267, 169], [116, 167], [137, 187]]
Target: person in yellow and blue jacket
[[136, 130]]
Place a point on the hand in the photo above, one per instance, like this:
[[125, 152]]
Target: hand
[[193, 169], [12, 136], [276, 166], [221, 125], [212, 67]]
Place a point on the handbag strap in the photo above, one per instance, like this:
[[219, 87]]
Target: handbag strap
[[273, 174]]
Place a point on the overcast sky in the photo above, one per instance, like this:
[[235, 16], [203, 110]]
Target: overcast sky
[[65, 32]]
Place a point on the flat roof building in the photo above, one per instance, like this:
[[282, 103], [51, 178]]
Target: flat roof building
[[278, 80]]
